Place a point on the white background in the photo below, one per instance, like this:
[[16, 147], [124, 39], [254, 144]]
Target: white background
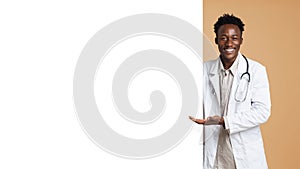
[[40, 42]]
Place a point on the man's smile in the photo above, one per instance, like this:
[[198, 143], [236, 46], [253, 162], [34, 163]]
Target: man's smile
[[229, 50]]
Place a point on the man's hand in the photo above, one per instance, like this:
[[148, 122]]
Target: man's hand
[[212, 120]]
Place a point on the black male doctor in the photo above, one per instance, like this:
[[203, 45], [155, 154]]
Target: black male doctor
[[236, 102]]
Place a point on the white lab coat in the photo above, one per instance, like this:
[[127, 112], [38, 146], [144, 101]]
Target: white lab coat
[[243, 119]]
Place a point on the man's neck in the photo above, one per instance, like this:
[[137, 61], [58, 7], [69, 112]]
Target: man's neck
[[227, 63]]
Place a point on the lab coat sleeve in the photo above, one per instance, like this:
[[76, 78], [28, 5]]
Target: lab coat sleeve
[[259, 111]]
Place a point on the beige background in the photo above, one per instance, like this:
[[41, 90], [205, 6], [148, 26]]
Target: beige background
[[272, 37]]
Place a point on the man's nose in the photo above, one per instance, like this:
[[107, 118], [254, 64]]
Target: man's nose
[[228, 42]]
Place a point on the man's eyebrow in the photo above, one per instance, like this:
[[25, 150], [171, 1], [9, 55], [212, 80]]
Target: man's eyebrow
[[224, 34], [233, 35]]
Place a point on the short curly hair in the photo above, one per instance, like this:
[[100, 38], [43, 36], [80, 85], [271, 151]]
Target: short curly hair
[[228, 19]]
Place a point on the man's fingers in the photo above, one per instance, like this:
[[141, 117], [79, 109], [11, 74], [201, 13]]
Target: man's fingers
[[192, 118], [199, 121]]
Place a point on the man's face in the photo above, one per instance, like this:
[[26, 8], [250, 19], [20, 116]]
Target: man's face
[[229, 39]]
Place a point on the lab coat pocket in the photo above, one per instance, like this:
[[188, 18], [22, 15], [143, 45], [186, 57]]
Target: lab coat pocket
[[242, 90], [251, 135]]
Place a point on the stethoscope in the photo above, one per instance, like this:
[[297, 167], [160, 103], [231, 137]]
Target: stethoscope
[[242, 89], [247, 69]]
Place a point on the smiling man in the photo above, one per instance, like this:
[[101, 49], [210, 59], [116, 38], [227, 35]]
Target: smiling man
[[236, 102]]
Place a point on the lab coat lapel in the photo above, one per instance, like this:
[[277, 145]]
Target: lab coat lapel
[[214, 79]]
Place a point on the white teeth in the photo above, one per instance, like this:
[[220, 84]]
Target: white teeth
[[229, 50]]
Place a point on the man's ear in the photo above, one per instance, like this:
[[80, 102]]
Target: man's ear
[[216, 40], [241, 40]]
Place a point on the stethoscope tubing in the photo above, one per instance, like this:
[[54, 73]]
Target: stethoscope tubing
[[247, 69]]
